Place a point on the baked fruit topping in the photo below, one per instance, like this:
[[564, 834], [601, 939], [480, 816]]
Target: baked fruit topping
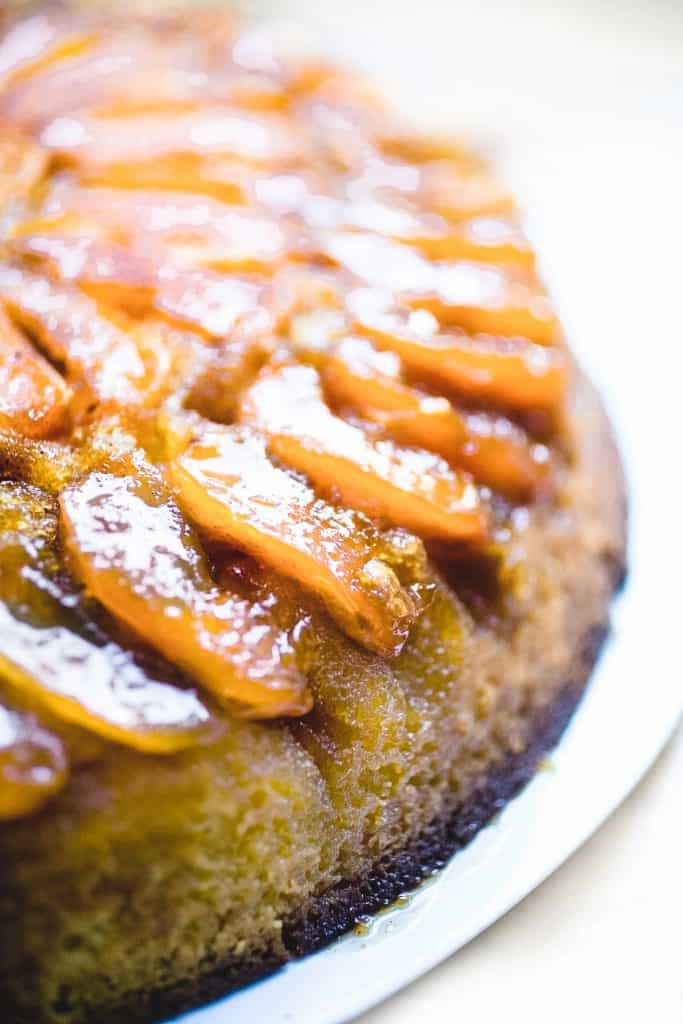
[[261, 352]]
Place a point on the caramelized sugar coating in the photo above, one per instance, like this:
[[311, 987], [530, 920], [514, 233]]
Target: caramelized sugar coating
[[56, 658], [242, 312], [335, 552], [359, 377], [406, 487], [34, 398], [129, 544]]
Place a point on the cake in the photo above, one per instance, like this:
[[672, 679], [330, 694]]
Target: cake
[[309, 520]]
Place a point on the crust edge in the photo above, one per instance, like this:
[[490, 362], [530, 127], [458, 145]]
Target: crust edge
[[327, 916]]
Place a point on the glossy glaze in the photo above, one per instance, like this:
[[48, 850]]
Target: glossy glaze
[[245, 314]]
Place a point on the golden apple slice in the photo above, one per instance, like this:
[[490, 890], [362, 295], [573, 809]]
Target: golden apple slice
[[72, 249], [52, 653], [496, 452], [35, 44], [205, 301], [230, 489], [420, 148], [214, 304], [484, 239], [131, 547], [459, 190], [101, 688], [87, 139], [91, 76], [195, 228], [488, 239], [409, 488], [474, 296], [33, 765], [23, 165], [216, 177], [34, 400], [489, 300], [106, 364], [510, 372]]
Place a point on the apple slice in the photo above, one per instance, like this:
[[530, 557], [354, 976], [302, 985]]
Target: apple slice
[[92, 138], [38, 43], [106, 364], [459, 190], [497, 453], [484, 239], [488, 239], [489, 300], [405, 487], [217, 177], [52, 653], [197, 229], [477, 297], [23, 165], [510, 372], [131, 547], [230, 489], [34, 399], [205, 301]]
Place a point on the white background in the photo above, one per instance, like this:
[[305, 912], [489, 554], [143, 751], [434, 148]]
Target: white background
[[581, 107], [600, 941]]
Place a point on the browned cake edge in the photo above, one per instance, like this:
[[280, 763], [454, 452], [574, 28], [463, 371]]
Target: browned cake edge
[[326, 916]]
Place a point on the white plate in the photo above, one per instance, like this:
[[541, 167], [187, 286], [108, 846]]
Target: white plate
[[579, 153]]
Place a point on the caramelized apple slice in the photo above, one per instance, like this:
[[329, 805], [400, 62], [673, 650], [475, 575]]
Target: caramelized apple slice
[[489, 300], [135, 71], [33, 765], [216, 177], [197, 228], [486, 239], [100, 688], [474, 296], [34, 399], [105, 363], [22, 165], [73, 249], [32, 45], [51, 651], [482, 239], [229, 487], [458, 190], [129, 544], [266, 140], [491, 448], [57, 87], [509, 372], [208, 302], [211, 303], [418, 148], [408, 488]]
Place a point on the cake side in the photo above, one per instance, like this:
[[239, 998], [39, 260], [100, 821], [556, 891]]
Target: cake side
[[108, 918]]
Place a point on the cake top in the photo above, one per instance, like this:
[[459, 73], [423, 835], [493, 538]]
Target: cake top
[[261, 350]]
